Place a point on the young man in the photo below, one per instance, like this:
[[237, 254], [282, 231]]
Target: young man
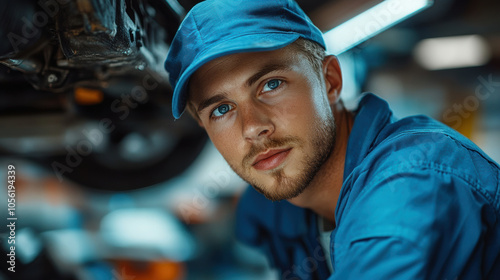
[[361, 194]]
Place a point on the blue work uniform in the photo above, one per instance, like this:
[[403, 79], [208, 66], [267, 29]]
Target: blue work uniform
[[418, 201]]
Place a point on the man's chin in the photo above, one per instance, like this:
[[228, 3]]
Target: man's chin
[[281, 191], [276, 184], [279, 196]]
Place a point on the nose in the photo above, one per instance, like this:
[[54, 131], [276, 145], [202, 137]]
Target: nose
[[256, 123]]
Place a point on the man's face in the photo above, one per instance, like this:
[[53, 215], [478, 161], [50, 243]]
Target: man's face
[[268, 115]]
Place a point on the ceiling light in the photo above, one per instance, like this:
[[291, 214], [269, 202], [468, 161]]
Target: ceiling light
[[370, 23], [452, 52]]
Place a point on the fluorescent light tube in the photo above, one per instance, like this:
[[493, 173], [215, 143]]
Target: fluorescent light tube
[[370, 23]]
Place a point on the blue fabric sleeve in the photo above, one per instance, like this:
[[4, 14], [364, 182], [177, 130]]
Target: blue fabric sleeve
[[413, 221], [382, 258]]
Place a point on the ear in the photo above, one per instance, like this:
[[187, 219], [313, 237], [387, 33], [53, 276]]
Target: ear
[[333, 78]]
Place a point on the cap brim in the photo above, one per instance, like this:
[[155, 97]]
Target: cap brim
[[246, 43]]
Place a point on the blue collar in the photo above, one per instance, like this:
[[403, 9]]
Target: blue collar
[[372, 116]]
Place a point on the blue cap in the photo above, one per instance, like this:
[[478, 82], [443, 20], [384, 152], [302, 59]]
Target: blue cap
[[216, 28]]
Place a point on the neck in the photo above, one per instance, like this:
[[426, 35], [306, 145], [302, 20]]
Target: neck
[[323, 192]]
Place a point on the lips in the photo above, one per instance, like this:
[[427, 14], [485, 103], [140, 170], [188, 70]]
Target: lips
[[270, 159]]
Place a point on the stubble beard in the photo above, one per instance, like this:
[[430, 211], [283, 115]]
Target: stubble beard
[[289, 186]]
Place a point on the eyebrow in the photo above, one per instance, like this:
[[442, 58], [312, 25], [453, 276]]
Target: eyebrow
[[214, 99], [266, 69]]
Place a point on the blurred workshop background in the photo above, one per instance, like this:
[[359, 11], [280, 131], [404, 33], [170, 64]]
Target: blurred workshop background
[[109, 186]]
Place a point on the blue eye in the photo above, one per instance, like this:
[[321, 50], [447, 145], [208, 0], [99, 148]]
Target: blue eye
[[221, 110], [272, 84]]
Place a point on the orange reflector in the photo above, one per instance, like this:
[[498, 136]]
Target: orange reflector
[[147, 270], [88, 96]]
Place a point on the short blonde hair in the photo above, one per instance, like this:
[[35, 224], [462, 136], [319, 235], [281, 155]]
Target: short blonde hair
[[313, 51]]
